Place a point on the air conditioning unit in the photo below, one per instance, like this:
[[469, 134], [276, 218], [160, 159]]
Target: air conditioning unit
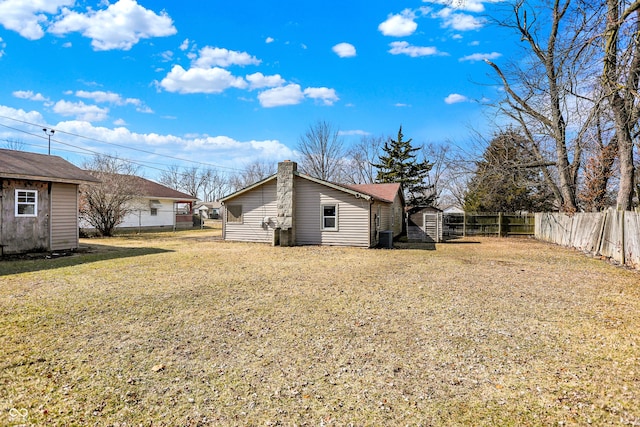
[[386, 239]]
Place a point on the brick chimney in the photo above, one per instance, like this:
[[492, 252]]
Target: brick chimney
[[286, 203]]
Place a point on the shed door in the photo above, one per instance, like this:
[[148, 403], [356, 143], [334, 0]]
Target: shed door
[[64, 216], [433, 227]]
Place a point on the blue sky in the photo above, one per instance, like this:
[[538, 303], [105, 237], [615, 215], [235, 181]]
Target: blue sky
[[222, 84]]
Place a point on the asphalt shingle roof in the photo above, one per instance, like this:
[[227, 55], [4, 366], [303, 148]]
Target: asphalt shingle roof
[[40, 167]]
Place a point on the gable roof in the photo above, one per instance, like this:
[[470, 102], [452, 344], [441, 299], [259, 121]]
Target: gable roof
[[40, 167], [152, 189], [383, 192]]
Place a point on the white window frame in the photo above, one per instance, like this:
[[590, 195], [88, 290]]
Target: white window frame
[[153, 211], [323, 217], [26, 203]]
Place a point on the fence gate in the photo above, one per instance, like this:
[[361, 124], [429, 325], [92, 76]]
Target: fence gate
[[432, 223]]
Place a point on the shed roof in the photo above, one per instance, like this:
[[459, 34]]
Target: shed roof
[[40, 167]]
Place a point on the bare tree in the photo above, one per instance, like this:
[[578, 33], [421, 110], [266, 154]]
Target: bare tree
[[438, 156], [106, 204], [621, 78], [171, 178], [14, 144], [214, 185], [551, 90], [322, 152], [252, 173], [360, 159], [191, 180]]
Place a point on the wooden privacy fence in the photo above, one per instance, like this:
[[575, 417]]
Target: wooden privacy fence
[[488, 224], [614, 234]]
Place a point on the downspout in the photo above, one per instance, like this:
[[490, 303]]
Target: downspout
[[49, 185], [223, 210], [1, 217]]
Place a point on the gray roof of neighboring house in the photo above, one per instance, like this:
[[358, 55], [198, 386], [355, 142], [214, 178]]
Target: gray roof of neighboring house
[[41, 167], [153, 189]]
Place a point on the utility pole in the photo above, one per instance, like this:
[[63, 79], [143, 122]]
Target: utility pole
[[49, 133]]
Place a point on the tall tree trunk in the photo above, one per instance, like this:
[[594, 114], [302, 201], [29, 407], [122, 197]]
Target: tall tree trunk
[[621, 85]]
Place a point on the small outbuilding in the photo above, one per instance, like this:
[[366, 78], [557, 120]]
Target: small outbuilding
[[38, 202], [424, 224], [290, 208]]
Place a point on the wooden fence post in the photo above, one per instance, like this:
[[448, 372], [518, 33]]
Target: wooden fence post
[[464, 224]]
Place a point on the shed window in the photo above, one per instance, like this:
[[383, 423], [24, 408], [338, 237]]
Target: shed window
[[26, 203], [154, 211], [234, 214], [330, 217]]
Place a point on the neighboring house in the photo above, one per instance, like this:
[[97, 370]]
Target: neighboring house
[[157, 207], [452, 209], [290, 208], [38, 202], [209, 210]]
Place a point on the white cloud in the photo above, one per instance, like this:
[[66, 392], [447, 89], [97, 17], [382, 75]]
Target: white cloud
[[109, 97], [21, 115], [200, 80], [28, 94], [353, 132], [119, 122], [344, 50], [269, 40], [404, 48], [399, 25], [292, 94], [3, 45], [184, 45], [81, 111], [220, 57], [259, 80], [460, 21], [28, 17], [480, 56], [467, 5], [119, 26], [455, 98], [280, 96], [326, 95]]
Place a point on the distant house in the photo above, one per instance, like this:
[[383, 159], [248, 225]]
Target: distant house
[[209, 210], [290, 208], [157, 207], [38, 202]]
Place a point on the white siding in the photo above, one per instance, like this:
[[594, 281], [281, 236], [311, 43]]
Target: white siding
[[141, 216], [256, 205], [353, 216], [64, 216]]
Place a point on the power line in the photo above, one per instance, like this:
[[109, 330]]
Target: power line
[[108, 143]]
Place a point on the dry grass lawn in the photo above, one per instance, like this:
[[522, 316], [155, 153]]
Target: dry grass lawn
[[179, 329]]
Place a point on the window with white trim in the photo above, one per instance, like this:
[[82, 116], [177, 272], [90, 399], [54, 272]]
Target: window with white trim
[[26, 203], [330, 217], [154, 211]]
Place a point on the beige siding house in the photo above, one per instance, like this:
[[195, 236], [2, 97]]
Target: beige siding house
[[38, 202], [290, 208]]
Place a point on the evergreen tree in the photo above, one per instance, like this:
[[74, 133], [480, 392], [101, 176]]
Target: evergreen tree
[[399, 164], [502, 184]]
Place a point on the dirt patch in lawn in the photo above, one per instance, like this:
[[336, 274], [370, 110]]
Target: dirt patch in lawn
[[204, 332]]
